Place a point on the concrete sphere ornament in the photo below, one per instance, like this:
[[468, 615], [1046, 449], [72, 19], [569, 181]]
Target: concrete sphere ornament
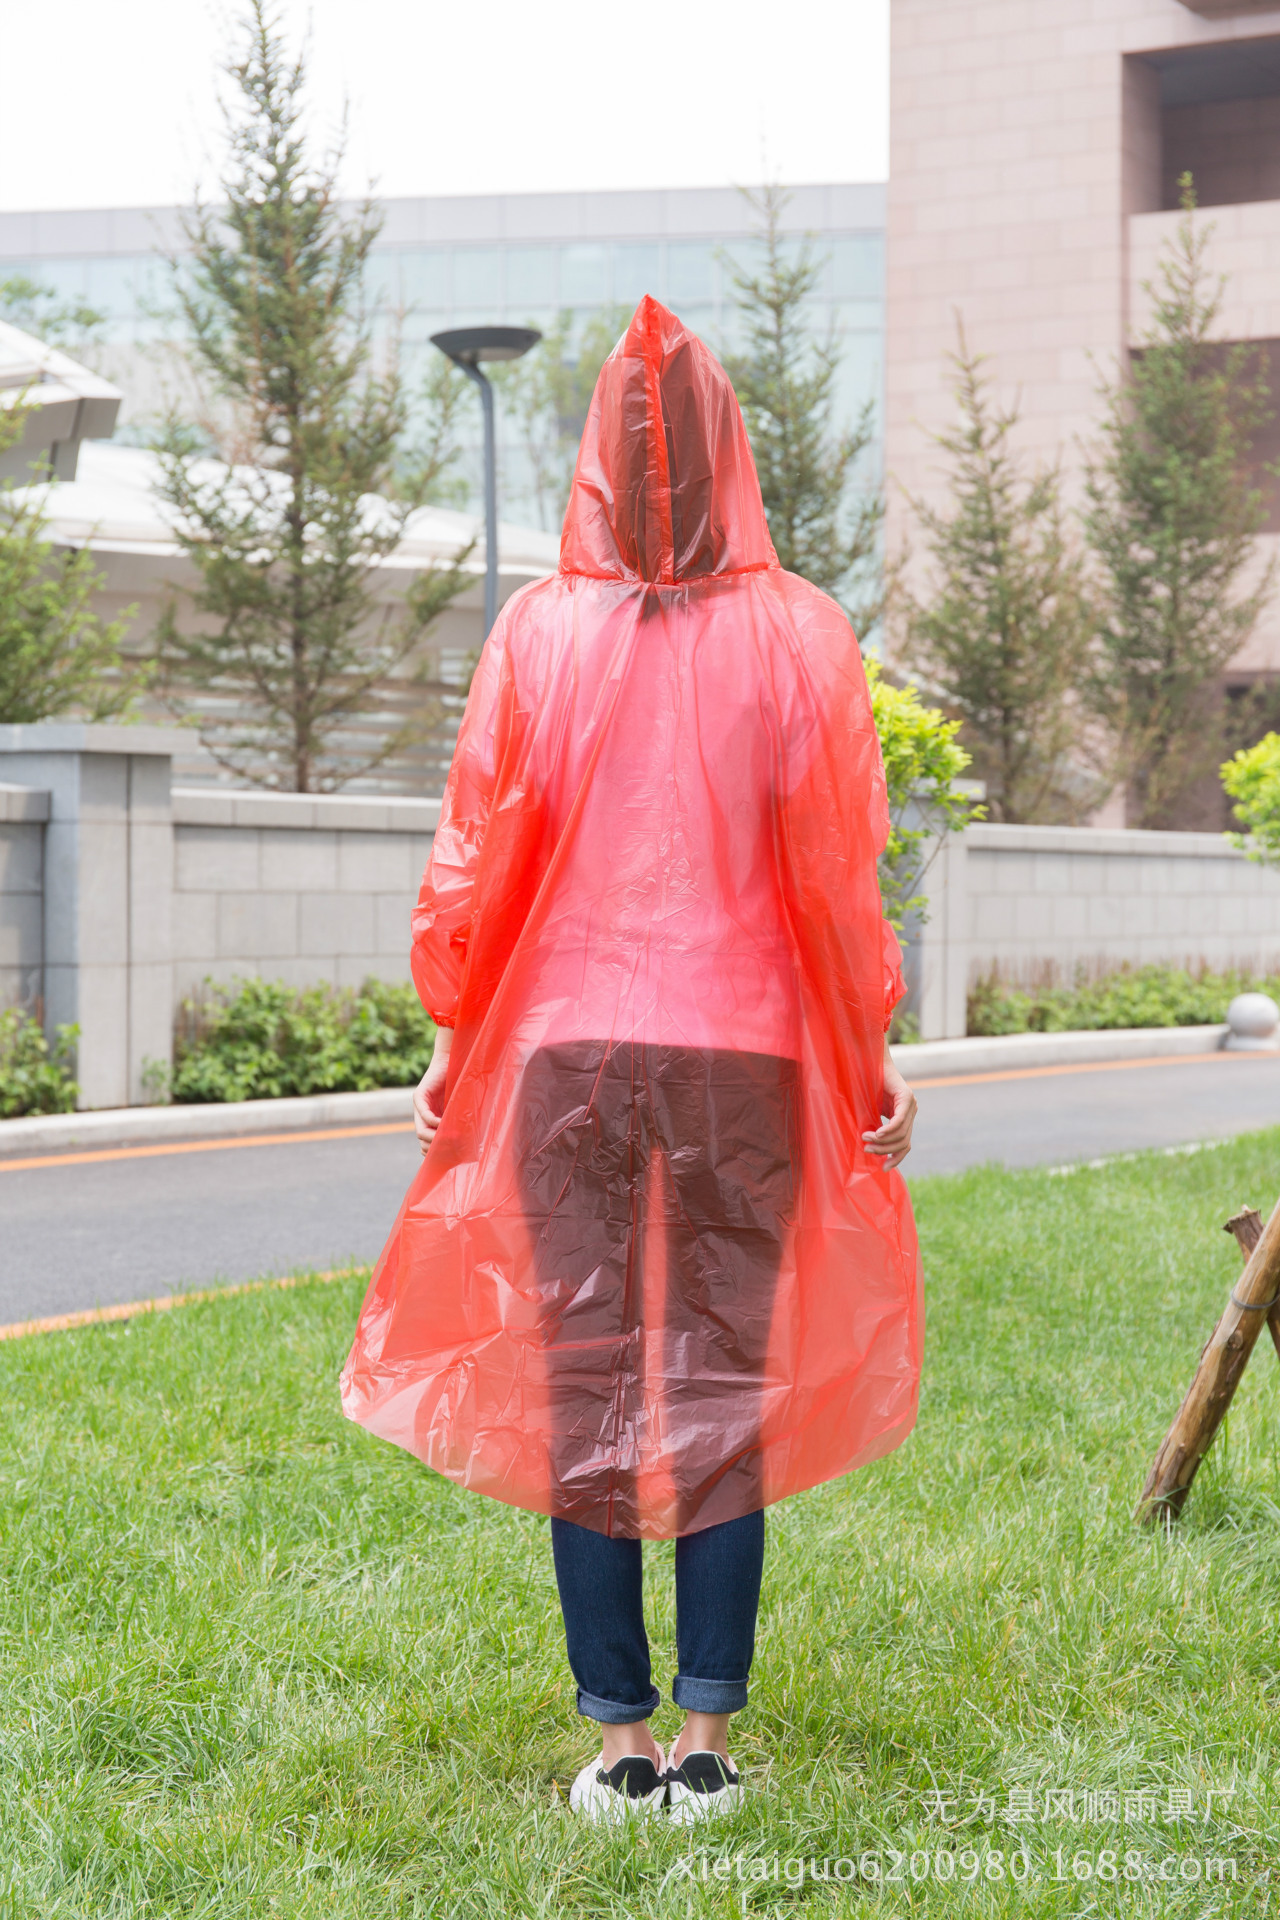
[[1253, 1021]]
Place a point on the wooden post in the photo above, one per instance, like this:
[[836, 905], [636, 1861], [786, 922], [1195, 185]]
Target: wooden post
[[1247, 1228], [1221, 1364]]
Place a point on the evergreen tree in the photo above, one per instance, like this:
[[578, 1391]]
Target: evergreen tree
[[56, 655], [291, 641], [1003, 638], [786, 383], [547, 395], [1173, 509]]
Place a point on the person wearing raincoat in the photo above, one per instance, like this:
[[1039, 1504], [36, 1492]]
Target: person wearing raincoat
[[658, 1269]]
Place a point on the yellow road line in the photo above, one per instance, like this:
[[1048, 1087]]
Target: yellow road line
[[197, 1146], [131, 1309], [1087, 1066]]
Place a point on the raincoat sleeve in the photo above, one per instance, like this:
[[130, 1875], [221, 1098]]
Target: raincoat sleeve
[[442, 918], [839, 815]]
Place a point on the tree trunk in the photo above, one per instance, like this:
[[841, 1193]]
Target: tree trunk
[[1218, 1374]]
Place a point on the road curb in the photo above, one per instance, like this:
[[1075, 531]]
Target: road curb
[[930, 1059], [938, 1059], [144, 1126]]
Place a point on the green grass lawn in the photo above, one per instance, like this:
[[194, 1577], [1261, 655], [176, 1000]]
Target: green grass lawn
[[256, 1663]]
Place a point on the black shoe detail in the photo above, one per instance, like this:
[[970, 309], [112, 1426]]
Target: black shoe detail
[[703, 1773], [633, 1776]]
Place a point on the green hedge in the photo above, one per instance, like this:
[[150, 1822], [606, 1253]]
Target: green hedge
[[1131, 997], [34, 1076], [261, 1040]]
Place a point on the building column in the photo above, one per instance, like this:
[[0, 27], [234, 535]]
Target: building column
[[108, 889]]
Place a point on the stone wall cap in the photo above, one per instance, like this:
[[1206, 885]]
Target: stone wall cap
[[993, 836], [86, 736], [129, 1126], [23, 805], [349, 812], [1028, 1052]]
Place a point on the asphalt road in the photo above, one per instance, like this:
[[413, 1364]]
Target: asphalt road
[[144, 1224]]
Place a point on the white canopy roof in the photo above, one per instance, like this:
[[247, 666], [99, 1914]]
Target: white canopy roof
[[67, 403], [113, 508]]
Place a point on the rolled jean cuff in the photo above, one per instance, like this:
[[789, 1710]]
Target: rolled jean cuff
[[709, 1696], [614, 1713]]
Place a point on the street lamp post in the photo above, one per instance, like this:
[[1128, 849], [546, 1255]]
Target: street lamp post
[[467, 347]]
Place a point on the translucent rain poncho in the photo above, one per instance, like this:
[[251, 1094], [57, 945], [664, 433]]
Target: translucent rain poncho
[[648, 1278]]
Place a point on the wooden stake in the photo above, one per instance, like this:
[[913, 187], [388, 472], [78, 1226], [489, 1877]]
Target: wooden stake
[[1222, 1362], [1247, 1228]]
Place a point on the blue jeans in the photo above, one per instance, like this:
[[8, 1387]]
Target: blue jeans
[[717, 1597]]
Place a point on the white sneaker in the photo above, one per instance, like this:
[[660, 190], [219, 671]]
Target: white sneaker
[[630, 1788], [702, 1787]]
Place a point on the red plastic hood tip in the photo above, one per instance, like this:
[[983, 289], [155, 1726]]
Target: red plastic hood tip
[[665, 488]]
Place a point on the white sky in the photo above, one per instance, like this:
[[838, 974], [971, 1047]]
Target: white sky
[[116, 102]]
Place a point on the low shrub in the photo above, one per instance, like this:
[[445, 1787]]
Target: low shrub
[[1154, 996], [262, 1040], [34, 1076]]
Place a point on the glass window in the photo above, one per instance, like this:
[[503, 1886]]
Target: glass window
[[531, 279], [698, 316], [857, 263], [584, 275], [691, 273], [424, 277], [637, 271], [380, 282], [859, 316], [742, 256], [477, 279], [860, 372], [64, 278], [132, 288]]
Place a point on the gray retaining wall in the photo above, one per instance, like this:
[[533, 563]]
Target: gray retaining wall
[[120, 893]]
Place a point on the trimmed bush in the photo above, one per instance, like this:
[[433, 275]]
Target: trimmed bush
[[34, 1076], [1154, 996], [263, 1040]]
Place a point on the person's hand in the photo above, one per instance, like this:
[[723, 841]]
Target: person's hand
[[892, 1141], [429, 1094]]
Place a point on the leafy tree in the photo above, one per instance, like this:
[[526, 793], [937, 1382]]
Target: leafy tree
[[923, 760], [786, 384], [547, 395], [291, 641], [56, 655], [1004, 636], [38, 310], [1173, 509], [1252, 779]]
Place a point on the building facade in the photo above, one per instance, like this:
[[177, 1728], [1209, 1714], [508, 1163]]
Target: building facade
[[513, 258], [1036, 148]]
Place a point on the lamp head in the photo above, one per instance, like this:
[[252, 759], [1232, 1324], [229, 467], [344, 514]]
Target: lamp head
[[468, 346]]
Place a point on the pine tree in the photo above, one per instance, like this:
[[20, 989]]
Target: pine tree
[[291, 643], [1173, 509], [822, 526], [547, 396], [56, 655], [1003, 638]]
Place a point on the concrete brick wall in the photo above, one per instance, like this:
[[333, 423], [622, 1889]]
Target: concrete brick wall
[[23, 813], [297, 887], [1032, 901], [120, 894]]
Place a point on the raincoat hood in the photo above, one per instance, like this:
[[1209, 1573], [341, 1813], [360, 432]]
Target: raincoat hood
[[665, 488]]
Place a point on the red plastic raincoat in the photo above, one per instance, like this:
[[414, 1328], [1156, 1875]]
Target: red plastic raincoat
[[648, 1277]]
